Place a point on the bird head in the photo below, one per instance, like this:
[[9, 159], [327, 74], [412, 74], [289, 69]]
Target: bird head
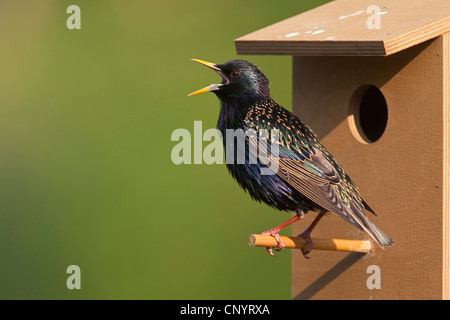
[[240, 80]]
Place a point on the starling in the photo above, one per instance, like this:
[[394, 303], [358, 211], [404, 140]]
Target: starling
[[307, 177]]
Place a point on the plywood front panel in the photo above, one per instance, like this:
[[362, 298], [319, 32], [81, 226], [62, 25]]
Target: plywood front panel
[[400, 175]]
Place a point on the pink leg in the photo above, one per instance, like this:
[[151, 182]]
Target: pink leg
[[275, 231], [307, 234]]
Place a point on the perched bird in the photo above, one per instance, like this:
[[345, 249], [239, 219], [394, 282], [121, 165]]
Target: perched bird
[[307, 177]]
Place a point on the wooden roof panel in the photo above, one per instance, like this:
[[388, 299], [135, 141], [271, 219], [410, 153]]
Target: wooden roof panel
[[340, 28]]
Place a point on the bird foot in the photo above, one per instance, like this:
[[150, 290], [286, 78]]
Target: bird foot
[[276, 235], [274, 232], [309, 244], [307, 234]]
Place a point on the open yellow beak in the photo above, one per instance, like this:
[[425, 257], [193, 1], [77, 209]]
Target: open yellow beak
[[208, 64], [212, 87]]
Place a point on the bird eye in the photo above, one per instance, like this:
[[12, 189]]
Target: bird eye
[[235, 74]]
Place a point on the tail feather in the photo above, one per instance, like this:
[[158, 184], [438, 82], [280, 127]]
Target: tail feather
[[357, 218], [379, 236]]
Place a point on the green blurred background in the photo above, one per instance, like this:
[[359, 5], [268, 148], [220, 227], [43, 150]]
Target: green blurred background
[[86, 176]]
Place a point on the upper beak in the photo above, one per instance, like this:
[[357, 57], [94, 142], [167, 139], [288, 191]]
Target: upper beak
[[208, 64], [212, 87]]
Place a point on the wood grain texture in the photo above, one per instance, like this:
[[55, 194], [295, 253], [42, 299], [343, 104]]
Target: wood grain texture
[[339, 28], [403, 176]]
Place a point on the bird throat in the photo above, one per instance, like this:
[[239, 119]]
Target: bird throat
[[232, 114], [233, 110]]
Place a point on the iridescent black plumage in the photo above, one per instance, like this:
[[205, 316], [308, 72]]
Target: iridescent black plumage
[[307, 177]]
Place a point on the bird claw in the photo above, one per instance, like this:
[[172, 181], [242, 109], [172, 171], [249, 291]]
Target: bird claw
[[280, 243], [274, 232], [309, 244], [270, 251]]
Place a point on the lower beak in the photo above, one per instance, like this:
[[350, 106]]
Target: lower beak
[[212, 87]]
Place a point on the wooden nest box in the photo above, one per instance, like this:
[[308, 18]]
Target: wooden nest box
[[371, 78]]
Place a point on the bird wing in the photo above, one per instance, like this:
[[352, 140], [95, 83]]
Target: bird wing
[[308, 171], [327, 194], [295, 157], [306, 165]]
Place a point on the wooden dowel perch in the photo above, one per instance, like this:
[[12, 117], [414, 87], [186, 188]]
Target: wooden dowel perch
[[257, 240]]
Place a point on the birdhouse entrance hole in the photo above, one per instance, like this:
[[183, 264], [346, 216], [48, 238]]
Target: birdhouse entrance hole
[[368, 114]]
